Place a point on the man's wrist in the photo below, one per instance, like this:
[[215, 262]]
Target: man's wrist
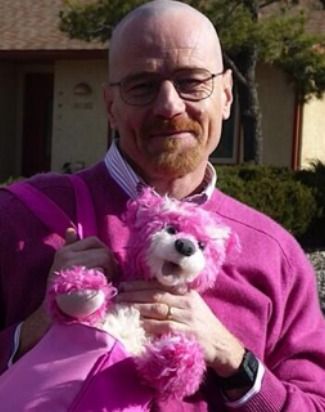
[[32, 330], [230, 362], [242, 379]]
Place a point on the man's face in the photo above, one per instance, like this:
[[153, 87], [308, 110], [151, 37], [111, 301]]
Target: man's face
[[171, 136]]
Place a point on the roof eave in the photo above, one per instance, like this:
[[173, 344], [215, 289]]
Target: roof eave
[[52, 54]]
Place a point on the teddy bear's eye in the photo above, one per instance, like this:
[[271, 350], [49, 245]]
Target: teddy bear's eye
[[171, 229], [201, 245]]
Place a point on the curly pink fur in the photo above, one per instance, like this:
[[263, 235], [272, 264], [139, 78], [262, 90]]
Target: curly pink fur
[[173, 364], [76, 279]]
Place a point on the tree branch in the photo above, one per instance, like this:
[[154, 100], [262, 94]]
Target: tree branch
[[229, 14], [267, 3], [235, 69]]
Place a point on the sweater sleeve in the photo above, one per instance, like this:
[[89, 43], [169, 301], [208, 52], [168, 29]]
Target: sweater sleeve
[[295, 361]]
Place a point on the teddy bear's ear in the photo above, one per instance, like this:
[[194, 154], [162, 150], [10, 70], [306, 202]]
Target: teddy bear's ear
[[139, 209]]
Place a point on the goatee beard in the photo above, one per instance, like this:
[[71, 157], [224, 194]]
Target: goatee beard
[[172, 159]]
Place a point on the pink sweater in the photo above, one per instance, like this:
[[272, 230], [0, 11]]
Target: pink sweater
[[267, 296]]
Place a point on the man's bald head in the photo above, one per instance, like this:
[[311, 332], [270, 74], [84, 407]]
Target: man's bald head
[[170, 52], [173, 16]]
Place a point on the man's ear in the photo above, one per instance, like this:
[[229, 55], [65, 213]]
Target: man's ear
[[227, 84], [108, 99]]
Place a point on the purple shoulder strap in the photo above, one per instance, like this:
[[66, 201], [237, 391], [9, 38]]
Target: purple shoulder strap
[[85, 212], [51, 214]]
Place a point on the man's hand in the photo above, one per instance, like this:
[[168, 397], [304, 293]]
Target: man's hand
[[164, 310], [89, 252]]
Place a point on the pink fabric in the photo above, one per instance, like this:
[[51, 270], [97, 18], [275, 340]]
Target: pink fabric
[[85, 209], [68, 359], [53, 216], [71, 357], [267, 298], [113, 386]]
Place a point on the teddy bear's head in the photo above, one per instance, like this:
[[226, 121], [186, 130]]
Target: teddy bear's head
[[177, 243]]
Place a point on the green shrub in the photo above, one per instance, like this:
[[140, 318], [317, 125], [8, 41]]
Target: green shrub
[[10, 180], [272, 190], [314, 178]]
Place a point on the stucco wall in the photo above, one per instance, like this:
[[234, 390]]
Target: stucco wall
[[277, 104], [79, 122], [8, 110], [313, 132]]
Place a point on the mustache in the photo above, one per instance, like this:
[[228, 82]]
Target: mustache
[[161, 126]]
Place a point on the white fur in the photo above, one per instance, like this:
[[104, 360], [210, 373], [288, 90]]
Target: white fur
[[123, 322], [162, 249]]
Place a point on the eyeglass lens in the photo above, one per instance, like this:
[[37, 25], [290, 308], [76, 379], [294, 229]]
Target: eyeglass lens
[[194, 84]]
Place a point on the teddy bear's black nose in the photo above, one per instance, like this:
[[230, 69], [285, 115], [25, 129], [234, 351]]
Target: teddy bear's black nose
[[185, 247]]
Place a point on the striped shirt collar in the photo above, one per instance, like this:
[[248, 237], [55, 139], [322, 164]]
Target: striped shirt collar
[[129, 181]]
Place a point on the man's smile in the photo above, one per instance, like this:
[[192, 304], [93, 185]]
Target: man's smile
[[172, 133]]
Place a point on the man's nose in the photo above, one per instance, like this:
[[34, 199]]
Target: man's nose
[[168, 103]]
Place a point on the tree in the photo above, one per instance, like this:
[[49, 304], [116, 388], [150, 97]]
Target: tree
[[271, 31]]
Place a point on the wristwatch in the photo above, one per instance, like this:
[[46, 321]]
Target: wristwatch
[[244, 377]]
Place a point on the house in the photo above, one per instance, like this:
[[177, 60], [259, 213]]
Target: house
[[52, 115]]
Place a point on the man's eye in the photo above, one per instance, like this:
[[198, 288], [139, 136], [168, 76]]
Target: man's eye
[[188, 83], [171, 229], [141, 88]]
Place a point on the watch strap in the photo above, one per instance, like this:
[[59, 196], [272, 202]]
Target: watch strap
[[244, 377]]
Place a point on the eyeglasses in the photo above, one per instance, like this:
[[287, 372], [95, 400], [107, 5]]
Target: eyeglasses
[[142, 89]]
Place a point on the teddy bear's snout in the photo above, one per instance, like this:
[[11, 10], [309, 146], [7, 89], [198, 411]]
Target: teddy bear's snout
[[185, 247]]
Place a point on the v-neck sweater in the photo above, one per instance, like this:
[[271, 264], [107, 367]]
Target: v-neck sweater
[[266, 295]]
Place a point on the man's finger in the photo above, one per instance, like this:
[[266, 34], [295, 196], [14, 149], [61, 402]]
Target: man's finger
[[154, 297], [71, 236], [138, 285], [152, 310], [91, 242]]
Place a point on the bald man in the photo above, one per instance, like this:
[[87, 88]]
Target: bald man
[[261, 328]]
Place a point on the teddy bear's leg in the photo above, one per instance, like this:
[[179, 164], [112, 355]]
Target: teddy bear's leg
[[173, 365], [79, 294]]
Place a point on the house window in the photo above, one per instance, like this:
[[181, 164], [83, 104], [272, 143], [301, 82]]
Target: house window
[[228, 148]]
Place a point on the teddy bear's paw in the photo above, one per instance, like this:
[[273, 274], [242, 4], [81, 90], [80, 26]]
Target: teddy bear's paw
[[81, 303], [79, 295], [173, 365]]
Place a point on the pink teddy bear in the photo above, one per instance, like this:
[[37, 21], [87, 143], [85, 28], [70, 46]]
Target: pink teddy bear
[[176, 243]]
